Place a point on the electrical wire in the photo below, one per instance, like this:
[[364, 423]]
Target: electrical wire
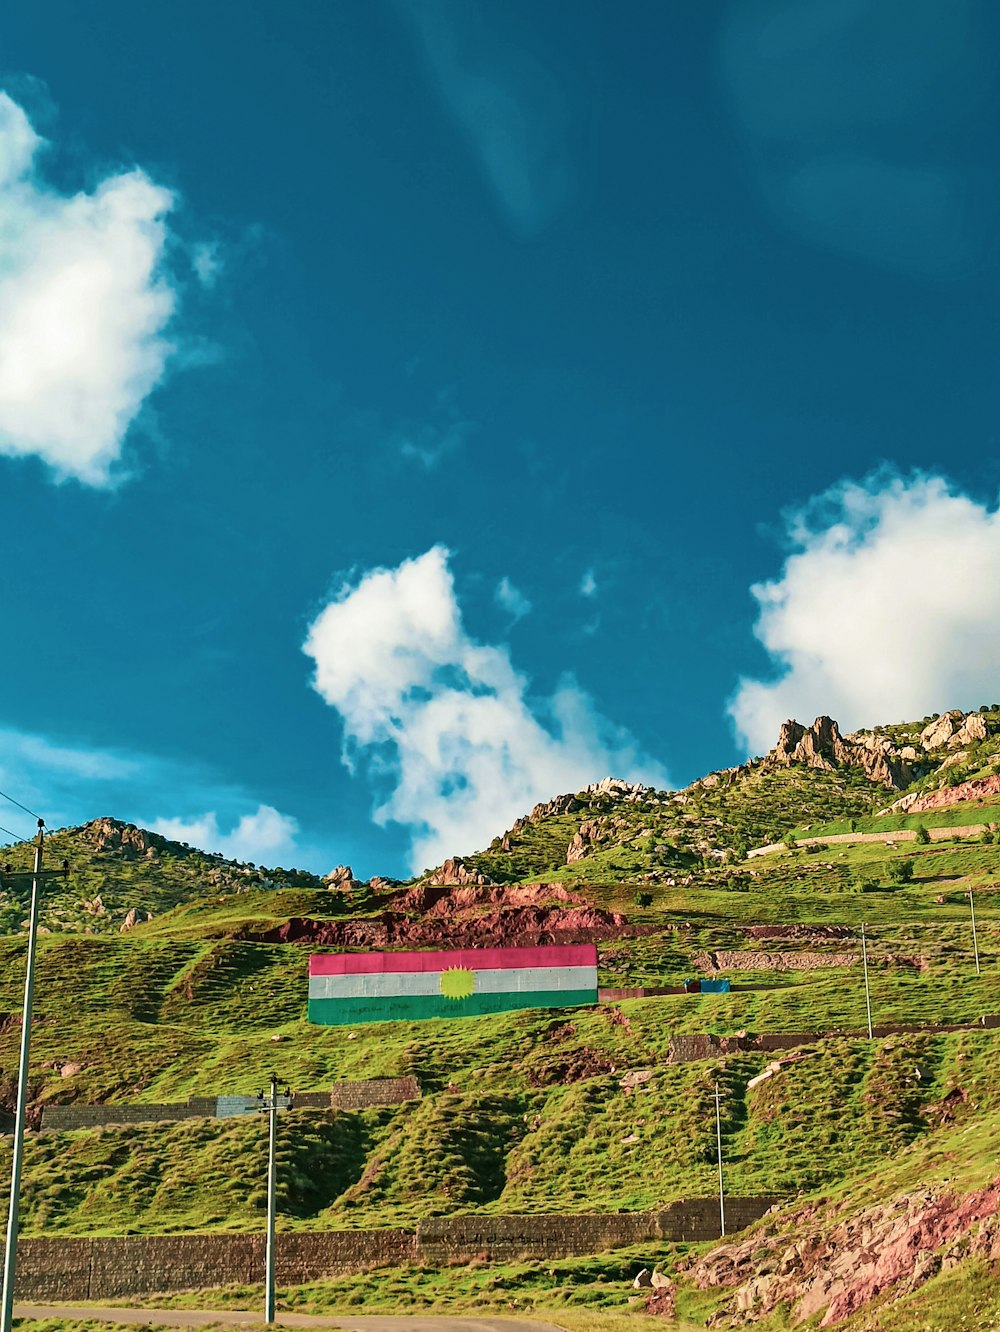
[[15, 836], [20, 806]]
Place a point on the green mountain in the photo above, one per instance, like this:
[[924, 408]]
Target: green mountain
[[166, 973]]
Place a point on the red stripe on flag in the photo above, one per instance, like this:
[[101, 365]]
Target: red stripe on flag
[[476, 959]]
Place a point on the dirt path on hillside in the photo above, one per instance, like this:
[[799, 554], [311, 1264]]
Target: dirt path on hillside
[[248, 1318]]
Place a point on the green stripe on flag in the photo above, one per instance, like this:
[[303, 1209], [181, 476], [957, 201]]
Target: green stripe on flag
[[411, 1008]]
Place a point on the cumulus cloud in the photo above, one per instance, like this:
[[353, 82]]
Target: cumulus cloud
[[446, 724], [512, 599], [266, 835], [887, 608], [83, 308], [588, 584]]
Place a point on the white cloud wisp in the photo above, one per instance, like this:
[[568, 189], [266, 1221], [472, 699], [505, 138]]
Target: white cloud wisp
[[83, 308], [446, 722], [266, 835], [887, 608], [511, 599]]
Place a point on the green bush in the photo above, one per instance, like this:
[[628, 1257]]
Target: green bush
[[644, 899], [900, 871], [923, 836]]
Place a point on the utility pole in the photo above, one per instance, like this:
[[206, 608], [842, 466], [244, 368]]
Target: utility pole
[[37, 876], [975, 941], [718, 1147], [270, 1104], [868, 994]]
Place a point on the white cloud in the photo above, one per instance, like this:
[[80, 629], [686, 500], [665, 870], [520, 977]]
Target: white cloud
[[447, 723], [206, 260], [588, 584], [266, 835], [887, 608], [83, 308], [512, 599], [71, 783]]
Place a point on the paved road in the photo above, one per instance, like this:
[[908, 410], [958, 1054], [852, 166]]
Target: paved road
[[238, 1317]]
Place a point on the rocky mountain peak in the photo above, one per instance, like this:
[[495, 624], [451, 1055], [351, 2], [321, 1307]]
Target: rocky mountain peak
[[123, 839]]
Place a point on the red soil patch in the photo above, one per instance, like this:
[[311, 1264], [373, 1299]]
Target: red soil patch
[[434, 915]]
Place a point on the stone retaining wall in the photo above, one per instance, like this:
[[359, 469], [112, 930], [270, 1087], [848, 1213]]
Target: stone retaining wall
[[344, 1096], [114, 1269], [900, 835], [686, 1047]]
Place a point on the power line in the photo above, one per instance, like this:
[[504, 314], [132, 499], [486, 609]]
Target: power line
[[16, 836], [20, 806]]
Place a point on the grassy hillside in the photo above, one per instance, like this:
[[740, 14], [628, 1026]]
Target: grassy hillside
[[528, 1111]]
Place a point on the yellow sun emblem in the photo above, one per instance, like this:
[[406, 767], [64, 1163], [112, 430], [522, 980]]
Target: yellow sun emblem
[[458, 983]]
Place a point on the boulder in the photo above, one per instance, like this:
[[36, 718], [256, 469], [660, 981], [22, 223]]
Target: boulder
[[644, 1278], [341, 876]]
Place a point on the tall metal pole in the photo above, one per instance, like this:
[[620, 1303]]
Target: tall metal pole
[[272, 1199], [975, 941], [718, 1148], [10, 1250], [868, 993]]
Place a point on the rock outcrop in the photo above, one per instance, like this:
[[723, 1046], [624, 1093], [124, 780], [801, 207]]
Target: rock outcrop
[[837, 1266], [341, 879], [586, 834], [954, 729], [979, 789], [822, 746], [122, 839], [457, 871]]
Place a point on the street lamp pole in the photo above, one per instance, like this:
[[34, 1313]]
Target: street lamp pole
[[718, 1144], [37, 876], [975, 941]]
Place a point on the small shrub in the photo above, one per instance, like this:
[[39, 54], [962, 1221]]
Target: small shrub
[[900, 871], [923, 836], [864, 883], [644, 899]]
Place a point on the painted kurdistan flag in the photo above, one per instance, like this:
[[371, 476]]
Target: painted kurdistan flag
[[462, 982]]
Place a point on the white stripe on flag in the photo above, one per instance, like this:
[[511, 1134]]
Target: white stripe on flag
[[502, 980]]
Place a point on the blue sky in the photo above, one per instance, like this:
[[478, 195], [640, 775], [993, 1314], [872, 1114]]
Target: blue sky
[[411, 410]]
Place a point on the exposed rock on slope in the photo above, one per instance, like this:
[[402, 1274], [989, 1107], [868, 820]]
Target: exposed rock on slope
[[457, 871], [950, 795], [954, 729], [822, 746], [890, 1246], [113, 837]]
